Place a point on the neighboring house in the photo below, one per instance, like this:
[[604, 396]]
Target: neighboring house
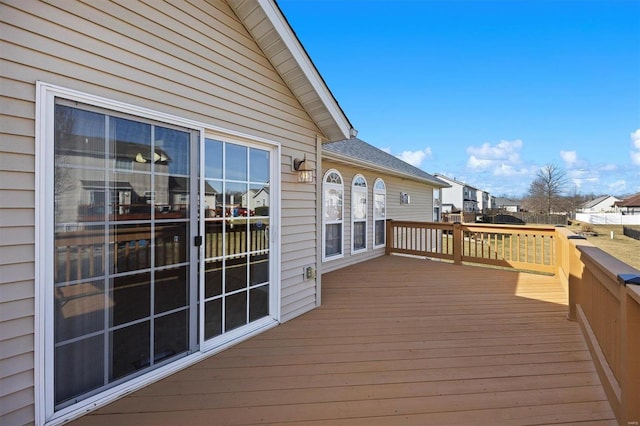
[[458, 197], [362, 187], [629, 205], [437, 205], [130, 132], [484, 200], [603, 204], [507, 205]]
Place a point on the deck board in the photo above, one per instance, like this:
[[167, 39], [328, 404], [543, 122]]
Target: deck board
[[397, 341]]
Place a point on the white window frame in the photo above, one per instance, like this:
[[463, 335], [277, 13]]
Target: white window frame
[[379, 191], [46, 95], [359, 190], [325, 186]]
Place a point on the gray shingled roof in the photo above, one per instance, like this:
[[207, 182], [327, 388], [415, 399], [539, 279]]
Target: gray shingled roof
[[594, 202], [362, 153]]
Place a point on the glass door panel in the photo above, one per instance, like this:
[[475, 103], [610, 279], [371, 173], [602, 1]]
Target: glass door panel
[[123, 281], [236, 242]]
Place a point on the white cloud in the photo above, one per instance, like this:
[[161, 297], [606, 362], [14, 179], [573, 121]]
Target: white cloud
[[635, 151], [415, 158], [579, 177], [569, 157], [387, 150], [618, 186], [504, 150], [478, 163], [635, 139], [501, 159]]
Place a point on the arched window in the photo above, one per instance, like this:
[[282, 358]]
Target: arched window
[[332, 215], [379, 212], [359, 209]]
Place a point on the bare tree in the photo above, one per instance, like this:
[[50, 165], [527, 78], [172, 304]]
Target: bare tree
[[546, 191]]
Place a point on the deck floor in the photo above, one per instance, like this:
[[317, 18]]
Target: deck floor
[[396, 341]]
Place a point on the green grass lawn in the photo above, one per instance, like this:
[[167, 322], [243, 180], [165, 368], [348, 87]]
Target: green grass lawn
[[620, 246]]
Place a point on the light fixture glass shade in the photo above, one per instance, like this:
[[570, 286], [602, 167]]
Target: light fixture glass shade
[[305, 176]]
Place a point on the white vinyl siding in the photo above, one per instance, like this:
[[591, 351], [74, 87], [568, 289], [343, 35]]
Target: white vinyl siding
[[189, 59]]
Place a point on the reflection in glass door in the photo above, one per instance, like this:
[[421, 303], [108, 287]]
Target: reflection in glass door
[[123, 280], [237, 255]]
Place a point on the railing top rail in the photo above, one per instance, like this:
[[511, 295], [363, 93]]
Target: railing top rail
[[420, 224], [512, 228]]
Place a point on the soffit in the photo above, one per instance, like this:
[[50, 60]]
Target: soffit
[[268, 26]]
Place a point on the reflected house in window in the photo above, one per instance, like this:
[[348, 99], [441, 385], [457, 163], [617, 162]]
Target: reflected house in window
[[210, 199], [86, 194], [255, 198]]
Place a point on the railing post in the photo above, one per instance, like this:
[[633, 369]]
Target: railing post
[[630, 348], [575, 283], [388, 237], [457, 243]]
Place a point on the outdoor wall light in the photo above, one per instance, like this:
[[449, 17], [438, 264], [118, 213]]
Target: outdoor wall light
[[304, 175]]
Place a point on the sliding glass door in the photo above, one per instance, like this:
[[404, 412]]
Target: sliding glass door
[[159, 247]]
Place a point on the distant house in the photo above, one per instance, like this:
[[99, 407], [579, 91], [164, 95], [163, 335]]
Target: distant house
[[507, 204], [630, 205], [484, 200], [603, 204], [459, 197], [353, 222]]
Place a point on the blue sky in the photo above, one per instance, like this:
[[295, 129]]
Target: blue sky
[[487, 92]]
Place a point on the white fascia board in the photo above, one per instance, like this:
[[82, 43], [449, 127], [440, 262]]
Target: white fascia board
[[304, 62]]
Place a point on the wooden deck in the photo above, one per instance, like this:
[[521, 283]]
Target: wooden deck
[[397, 341]]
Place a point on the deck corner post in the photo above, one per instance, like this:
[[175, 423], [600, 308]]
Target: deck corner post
[[457, 243]]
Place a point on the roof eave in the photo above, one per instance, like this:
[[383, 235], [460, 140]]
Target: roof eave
[[263, 18]]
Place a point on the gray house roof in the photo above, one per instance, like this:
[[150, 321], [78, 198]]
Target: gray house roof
[[356, 151], [453, 180], [502, 202], [594, 202]]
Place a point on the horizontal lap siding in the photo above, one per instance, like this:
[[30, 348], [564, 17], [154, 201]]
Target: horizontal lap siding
[[420, 208], [194, 60]]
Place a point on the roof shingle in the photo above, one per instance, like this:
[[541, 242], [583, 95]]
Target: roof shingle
[[361, 152]]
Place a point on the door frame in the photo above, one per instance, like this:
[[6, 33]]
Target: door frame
[[46, 94]]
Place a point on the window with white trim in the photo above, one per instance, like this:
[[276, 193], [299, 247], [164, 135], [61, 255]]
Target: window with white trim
[[359, 208], [332, 215], [379, 212]]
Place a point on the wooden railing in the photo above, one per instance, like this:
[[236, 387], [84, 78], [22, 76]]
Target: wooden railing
[[520, 247], [606, 303], [603, 292]]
